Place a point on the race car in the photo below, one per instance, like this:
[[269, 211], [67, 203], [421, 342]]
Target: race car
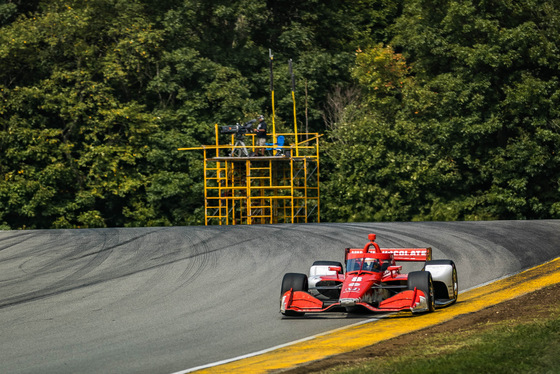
[[373, 282]]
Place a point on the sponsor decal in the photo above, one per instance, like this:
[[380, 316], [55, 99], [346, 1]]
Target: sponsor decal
[[397, 252]]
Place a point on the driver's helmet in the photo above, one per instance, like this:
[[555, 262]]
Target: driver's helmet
[[372, 264], [260, 117]]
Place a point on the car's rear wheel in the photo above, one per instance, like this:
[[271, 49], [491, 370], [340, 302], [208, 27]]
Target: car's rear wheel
[[442, 281], [295, 282], [455, 284], [422, 280]]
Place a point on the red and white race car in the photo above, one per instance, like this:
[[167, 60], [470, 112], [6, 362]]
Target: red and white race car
[[373, 281]]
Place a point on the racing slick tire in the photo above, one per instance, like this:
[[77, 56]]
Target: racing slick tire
[[444, 274], [422, 280], [296, 282]]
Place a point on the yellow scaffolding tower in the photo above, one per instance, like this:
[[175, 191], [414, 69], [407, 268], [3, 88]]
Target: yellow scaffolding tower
[[280, 187]]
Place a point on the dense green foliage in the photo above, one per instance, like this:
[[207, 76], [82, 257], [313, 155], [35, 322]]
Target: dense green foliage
[[467, 127], [437, 110]]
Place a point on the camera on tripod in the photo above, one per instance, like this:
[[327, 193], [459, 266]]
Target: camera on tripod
[[237, 129]]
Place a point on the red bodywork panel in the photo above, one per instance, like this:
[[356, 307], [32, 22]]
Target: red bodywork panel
[[300, 300]]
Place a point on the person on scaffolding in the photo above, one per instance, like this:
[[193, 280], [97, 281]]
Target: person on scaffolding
[[261, 134]]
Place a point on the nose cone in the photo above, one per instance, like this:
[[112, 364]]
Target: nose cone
[[355, 286]]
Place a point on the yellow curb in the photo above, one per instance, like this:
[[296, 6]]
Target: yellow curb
[[361, 336]]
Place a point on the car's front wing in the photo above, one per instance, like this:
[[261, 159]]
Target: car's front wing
[[303, 302]]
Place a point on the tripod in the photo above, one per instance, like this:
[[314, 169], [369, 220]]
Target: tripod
[[239, 151]]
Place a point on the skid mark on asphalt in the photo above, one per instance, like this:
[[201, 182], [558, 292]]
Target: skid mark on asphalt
[[356, 337]]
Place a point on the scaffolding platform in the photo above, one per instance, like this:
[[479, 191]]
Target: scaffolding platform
[[266, 189]]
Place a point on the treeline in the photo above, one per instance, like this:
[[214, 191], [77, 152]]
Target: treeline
[[432, 109]]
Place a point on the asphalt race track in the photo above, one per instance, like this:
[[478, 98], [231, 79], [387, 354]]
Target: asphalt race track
[[161, 300]]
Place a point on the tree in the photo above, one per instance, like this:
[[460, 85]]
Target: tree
[[381, 166], [472, 126], [75, 131], [494, 72]]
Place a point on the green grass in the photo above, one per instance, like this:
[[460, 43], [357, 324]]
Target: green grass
[[502, 347]]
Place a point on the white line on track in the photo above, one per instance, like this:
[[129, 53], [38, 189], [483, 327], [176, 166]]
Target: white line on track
[[277, 347], [227, 361]]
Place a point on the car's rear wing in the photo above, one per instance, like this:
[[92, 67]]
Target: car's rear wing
[[399, 254], [409, 254]]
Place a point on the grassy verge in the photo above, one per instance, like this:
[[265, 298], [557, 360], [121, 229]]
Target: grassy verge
[[512, 345]]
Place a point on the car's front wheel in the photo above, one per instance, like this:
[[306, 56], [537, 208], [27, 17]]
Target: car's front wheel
[[422, 280], [295, 282]]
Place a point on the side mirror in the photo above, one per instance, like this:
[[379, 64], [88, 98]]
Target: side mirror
[[338, 269]]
